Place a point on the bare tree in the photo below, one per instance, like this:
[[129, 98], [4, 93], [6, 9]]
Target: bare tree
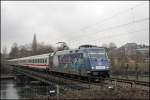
[[42, 48], [112, 45], [14, 53], [23, 52], [4, 52], [105, 45]]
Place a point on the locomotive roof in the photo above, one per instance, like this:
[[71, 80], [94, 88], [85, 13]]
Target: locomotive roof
[[76, 50]]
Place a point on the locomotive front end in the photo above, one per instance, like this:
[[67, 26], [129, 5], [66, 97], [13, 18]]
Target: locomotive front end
[[99, 63]]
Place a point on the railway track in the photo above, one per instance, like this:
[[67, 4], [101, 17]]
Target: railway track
[[131, 81], [79, 84], [126, 83]]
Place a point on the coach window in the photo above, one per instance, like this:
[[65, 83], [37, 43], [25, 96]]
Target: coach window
[[45, 60], [42, 60], [39, 61]]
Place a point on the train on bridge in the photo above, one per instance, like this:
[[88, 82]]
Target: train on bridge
[[86, 61]]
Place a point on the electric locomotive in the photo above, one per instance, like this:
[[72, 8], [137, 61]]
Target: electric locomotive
[[86, 61]]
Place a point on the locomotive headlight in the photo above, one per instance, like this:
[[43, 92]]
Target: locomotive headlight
[[107, 67], [92, 67], [88, 72]]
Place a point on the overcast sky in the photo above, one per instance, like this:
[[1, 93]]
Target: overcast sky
[[74, 22]]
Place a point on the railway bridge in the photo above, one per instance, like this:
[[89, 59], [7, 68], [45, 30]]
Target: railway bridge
[[69, 83], [64, 83]]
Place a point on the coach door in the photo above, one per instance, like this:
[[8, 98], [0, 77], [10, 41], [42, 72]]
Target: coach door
[[50, 62]]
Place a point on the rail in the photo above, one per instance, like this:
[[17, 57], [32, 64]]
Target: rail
[[131, 81]]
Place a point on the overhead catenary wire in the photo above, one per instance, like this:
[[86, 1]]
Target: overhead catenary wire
[[121, 25], [112, 27], [117, 26], [112, 36], [111, 17]]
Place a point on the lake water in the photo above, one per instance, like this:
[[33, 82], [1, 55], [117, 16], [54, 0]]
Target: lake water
[[9, 90]]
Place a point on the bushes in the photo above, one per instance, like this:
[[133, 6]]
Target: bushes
[[130, 68]]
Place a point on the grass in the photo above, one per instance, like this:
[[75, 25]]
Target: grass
[[117, 93]]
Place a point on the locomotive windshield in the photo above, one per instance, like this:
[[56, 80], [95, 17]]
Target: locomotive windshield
[[98, 59], [97, 53]]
